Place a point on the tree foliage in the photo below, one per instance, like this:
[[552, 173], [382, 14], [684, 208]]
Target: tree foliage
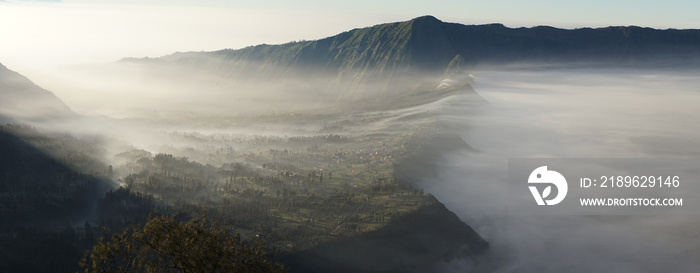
[[165, 245]]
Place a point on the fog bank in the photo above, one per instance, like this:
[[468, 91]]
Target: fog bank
[[573, 113]]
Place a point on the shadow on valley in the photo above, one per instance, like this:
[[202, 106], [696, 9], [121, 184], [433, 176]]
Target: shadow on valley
[[44, 207], [55, 200]]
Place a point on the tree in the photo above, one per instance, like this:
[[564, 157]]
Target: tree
[[89, 234], [166, 245]]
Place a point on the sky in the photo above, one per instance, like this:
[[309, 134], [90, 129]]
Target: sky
[[42, 35]]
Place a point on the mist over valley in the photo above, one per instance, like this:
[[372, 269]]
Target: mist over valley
[[380, 149]]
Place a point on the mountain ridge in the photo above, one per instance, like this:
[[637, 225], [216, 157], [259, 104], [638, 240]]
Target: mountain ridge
[[23, 100], [391, 58], [427, 43]]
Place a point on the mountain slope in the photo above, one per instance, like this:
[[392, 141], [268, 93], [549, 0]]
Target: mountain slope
[[394, 58], [428, 43], [416, 242], [496, 43], [36, 188], [380, 48], [22, 100]]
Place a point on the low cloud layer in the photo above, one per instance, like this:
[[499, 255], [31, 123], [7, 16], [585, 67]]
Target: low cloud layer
[[573, 113]]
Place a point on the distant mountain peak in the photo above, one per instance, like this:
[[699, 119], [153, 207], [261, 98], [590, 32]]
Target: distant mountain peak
[[426, 19]]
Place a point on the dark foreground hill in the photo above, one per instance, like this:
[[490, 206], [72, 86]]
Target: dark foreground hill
[[40, 198]]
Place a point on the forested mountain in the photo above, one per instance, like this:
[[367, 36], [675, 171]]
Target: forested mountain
[[22, 100]]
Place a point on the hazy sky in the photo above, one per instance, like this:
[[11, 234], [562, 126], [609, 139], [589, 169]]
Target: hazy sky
[[35, 35]]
